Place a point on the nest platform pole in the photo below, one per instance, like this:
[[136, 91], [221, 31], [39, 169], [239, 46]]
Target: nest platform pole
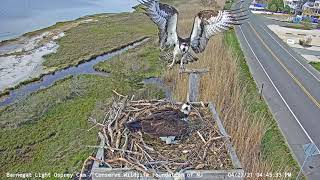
[[194, 83]]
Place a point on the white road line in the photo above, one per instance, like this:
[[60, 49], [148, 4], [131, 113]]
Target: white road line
[[264, 70], [291, 55]]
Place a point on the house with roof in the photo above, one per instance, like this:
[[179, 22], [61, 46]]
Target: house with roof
[[311, 8], [293, 4]]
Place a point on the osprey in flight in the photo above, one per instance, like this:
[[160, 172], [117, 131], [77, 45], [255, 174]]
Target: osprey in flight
[[206, 24]]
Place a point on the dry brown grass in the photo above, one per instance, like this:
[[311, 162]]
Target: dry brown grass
[[222, 86]]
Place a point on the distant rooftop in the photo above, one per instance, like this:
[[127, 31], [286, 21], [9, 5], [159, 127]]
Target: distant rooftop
[[312, 4]]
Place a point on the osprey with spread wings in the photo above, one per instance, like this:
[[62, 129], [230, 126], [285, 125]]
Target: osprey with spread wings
[[206, 24]]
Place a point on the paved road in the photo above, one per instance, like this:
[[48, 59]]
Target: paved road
[[291, 87], [307, 51]]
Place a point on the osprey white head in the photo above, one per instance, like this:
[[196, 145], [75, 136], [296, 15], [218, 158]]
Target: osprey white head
[[184, 47], [186, 108]]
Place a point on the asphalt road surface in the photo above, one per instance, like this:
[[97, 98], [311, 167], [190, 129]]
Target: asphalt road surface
[[291, 87]]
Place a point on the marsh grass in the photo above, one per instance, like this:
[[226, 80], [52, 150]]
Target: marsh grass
[[88, 40], [47, 131]]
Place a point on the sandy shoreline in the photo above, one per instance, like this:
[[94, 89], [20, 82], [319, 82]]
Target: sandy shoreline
[[27, 64], [21, 58]]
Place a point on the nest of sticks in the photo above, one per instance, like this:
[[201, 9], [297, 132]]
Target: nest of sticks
[[203, 149]]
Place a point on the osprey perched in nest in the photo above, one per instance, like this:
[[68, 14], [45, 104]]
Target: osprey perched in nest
[[167, 123], [206, 24]]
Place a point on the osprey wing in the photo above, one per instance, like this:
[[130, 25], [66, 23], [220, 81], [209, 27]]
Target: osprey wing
[[166, 18], [208, 23], [164, 127], [164, 123]]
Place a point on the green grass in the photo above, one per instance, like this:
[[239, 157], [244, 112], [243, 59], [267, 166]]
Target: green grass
[[274, 147], [137, 62], [228, 4], [299, 26], [46, 132], [91, 39], [316, 65]]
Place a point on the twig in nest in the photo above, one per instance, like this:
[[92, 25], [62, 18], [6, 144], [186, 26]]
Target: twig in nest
[[144, 151], [202, 104], [85, 162], [146, 104], [144, 144], [145, 110], [167, 168], [122, 150], [106, 136], [216, 138], [137, 110], [92, 120], [144, 167], [110, 130], [100, 161], [119, 135], [201, 137], [135, 161], [126, 138], [124, 119], [198, 113], [222, 144], [97, 124], [84, 165], [137, 167], [106, 116], [184, 169], [119, 94], [149, 101], [208, 145]]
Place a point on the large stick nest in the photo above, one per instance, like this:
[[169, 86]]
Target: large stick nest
[[203, 149]]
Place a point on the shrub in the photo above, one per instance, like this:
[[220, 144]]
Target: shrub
[[276, 5], [273, 8], [305, 42], [286, 9], [280, 5], [307, 22]]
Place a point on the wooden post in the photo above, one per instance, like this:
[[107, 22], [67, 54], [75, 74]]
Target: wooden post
[[194, 83], [261, 91], [100, 152]]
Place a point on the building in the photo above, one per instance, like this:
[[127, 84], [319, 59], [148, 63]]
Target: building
[[293, 4], [257, 5], [311, 8]]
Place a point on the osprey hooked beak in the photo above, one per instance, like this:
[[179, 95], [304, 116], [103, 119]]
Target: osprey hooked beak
[[186, 108]]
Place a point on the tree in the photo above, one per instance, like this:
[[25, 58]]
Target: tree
[[287, 9], [280, 5], [273, 8], [280, 8], [307, 23]]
